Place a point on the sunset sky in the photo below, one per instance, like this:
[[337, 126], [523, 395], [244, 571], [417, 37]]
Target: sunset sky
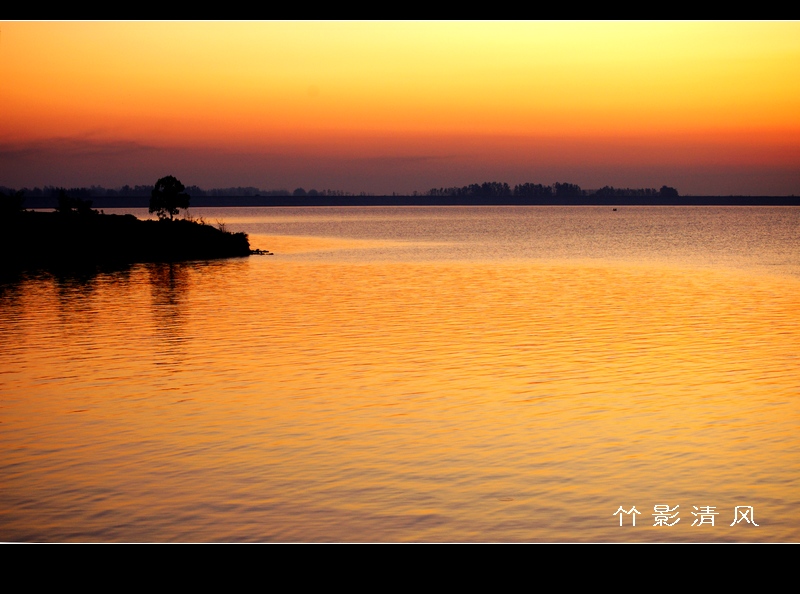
[[706, 107]]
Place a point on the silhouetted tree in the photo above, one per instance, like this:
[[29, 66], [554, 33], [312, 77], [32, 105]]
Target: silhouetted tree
[[668, 192], [64, 205], [606, 191], [567, 189], [168, 197]]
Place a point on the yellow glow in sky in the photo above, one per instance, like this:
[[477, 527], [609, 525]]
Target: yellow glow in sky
[[504, 78], [267, 85]]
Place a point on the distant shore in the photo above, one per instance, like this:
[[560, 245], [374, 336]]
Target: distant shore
[[284, 201]]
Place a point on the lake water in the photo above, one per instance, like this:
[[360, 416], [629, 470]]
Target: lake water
[[416, 374]]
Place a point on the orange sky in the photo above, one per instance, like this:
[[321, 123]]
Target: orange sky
[[707, 107]]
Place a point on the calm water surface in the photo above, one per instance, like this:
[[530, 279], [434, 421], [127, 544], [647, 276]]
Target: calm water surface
[[416, 374]]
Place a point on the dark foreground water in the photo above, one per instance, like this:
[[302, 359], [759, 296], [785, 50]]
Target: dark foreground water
[[416, 374]]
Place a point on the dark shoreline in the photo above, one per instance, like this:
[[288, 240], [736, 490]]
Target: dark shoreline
[[31, 239], [284, 201]]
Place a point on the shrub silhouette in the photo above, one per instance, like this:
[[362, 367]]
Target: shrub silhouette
[[68, 205], [168, 197]]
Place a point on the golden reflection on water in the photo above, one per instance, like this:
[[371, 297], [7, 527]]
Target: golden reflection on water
[[271, 399], [290, 244]]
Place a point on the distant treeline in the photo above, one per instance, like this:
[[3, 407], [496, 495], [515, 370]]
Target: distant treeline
[[100, 191], [557, 190], [126, 190], [484, 190]]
